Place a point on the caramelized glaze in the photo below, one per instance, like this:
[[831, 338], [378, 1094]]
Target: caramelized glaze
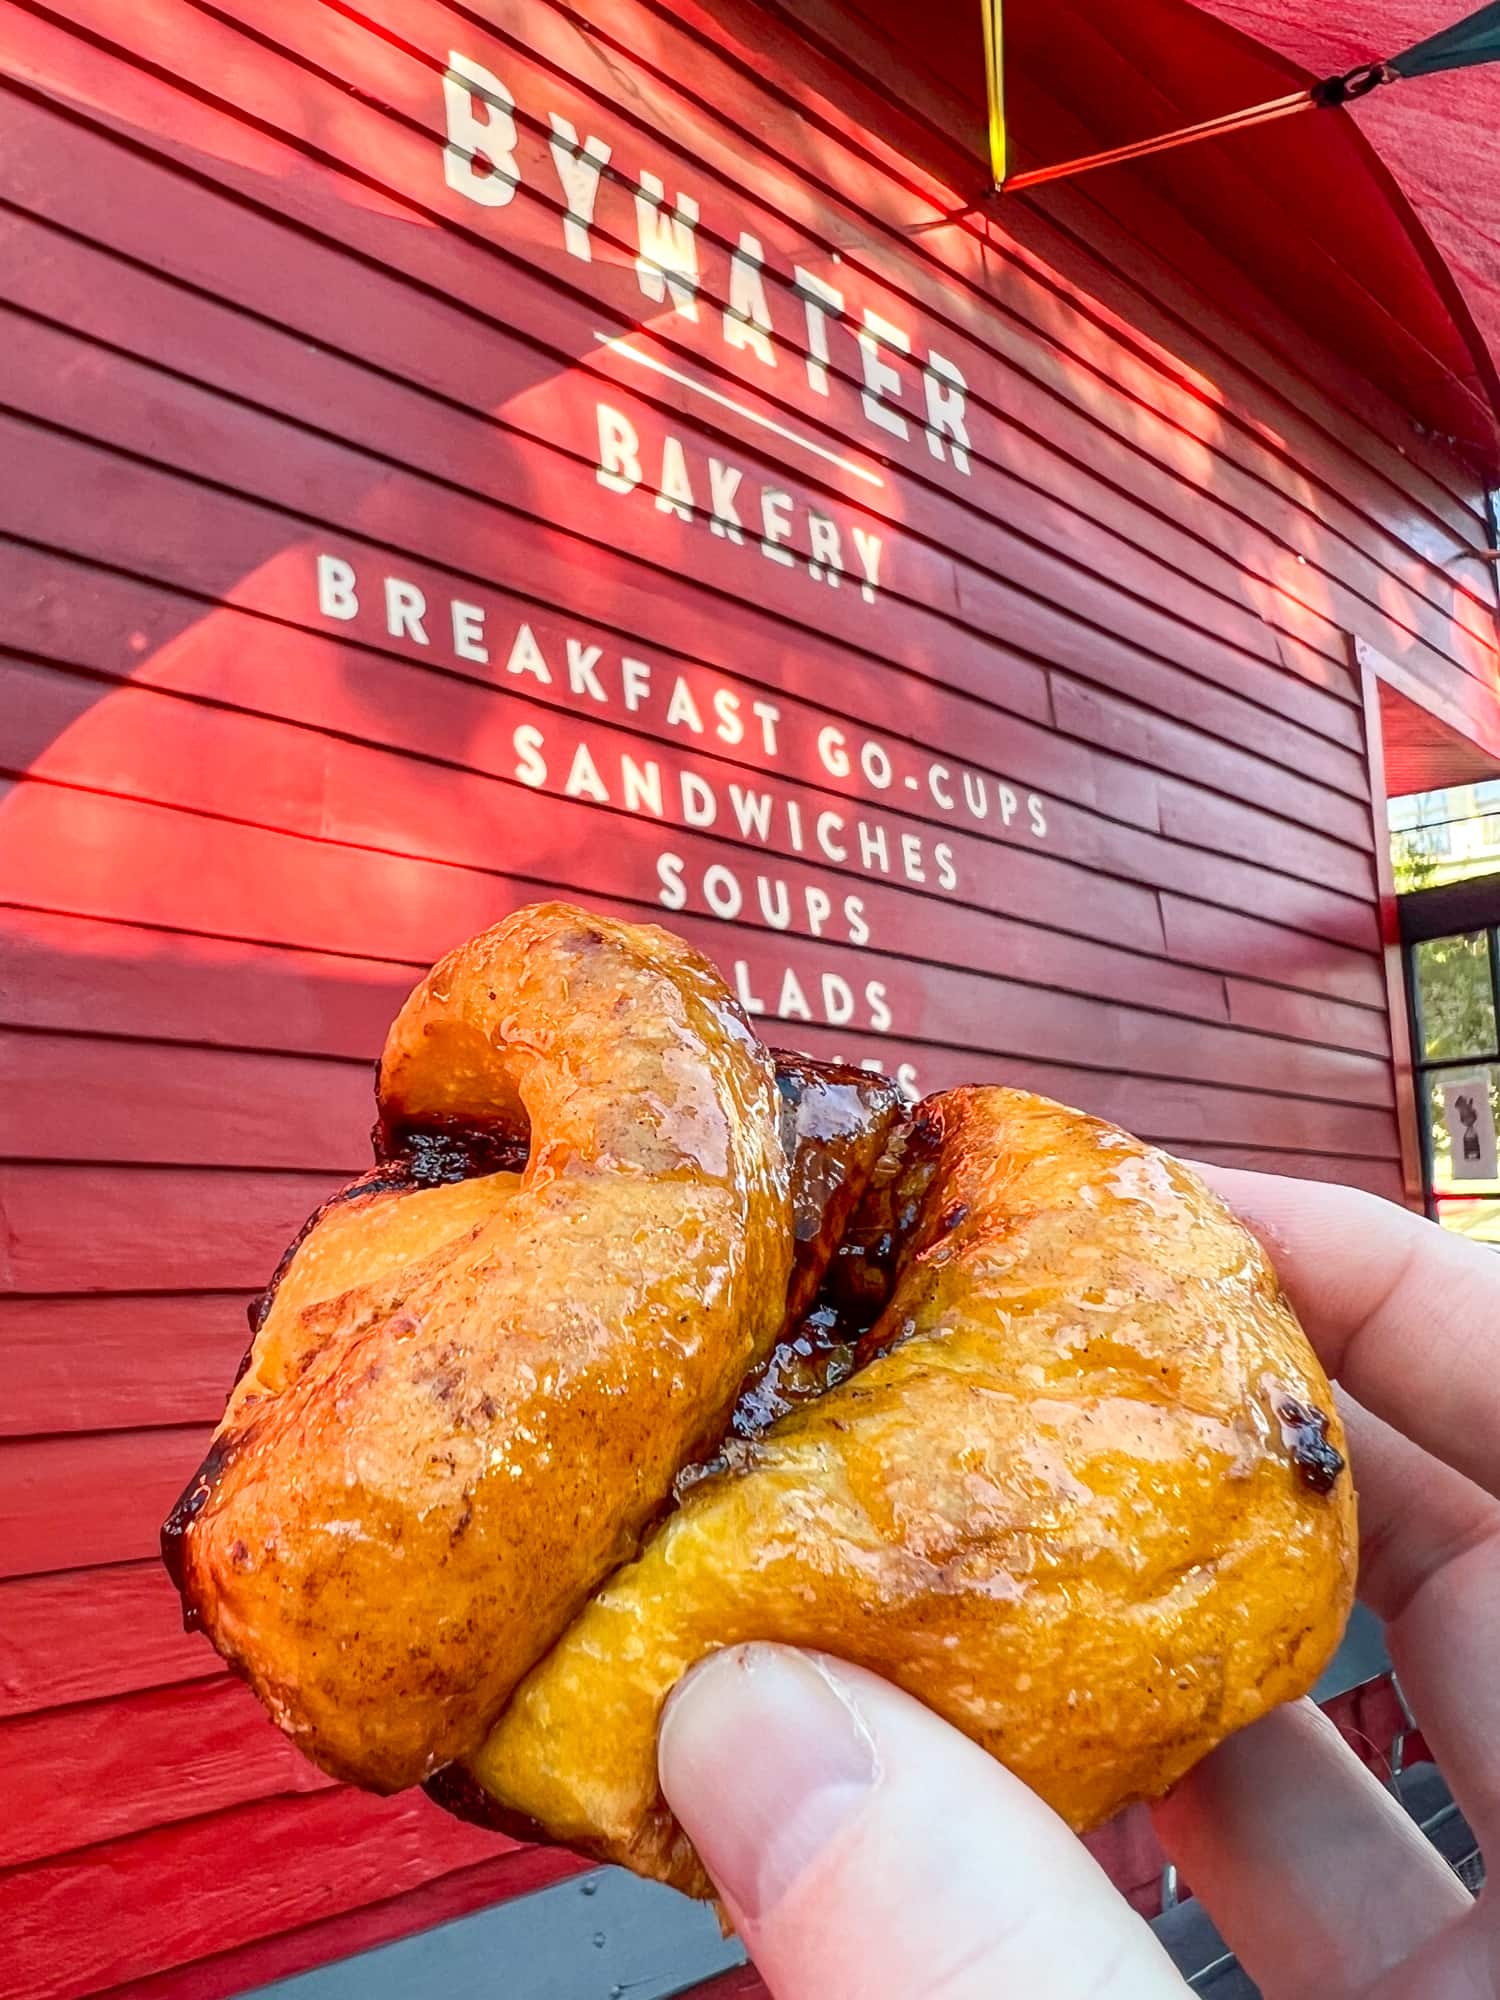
[[467, 1396], [988, 1397], [1063, 1498]]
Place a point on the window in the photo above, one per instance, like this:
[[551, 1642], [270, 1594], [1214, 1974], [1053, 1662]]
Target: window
[[1456, 1020]]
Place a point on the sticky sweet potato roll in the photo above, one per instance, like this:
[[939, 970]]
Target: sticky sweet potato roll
[[467, 1399], [636, 1343], [1083, 1494]]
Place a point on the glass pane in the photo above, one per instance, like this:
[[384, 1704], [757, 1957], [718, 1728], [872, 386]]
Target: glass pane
[[1460, 1133], [1455, 1005], [1479, 1219]]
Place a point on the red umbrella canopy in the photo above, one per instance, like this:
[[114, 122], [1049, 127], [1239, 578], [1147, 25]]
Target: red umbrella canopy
[[1375, 228], [1438, 136]]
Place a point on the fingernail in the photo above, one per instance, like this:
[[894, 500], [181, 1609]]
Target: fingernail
[[764, 1756]]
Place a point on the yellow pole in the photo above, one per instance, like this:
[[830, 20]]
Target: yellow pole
[[994, 78]]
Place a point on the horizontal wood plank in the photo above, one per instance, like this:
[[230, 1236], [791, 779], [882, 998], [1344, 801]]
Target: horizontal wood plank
[[80, 1635], [72, 1097], [120, 1362], [162, 1228], [229, 1880], [101, 1770], [1088, 250], [1239, 943], [338, 46], [1104, 814], [458, 1894], [72, 974], [1382, 1177], [67, 1502]]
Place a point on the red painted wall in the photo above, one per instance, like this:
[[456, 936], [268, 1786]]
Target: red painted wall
[[264, 360]]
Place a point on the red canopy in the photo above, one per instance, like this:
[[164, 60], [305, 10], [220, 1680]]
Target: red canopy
[[1439, 137]]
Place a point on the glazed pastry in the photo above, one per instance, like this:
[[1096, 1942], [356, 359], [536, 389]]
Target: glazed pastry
[[466, 1400], [1084, 1495], [636, 1344]]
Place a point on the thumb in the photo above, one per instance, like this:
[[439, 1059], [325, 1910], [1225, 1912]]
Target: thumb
[[865, 1848]]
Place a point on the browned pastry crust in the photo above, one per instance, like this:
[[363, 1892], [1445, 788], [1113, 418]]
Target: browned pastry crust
[[990, 1398], [466, 1400], [1083, 1495]]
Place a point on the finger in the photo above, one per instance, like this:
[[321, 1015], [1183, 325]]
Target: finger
[[866, 1849], [1405, 1314], [1430, 1567], [1314, 1874]]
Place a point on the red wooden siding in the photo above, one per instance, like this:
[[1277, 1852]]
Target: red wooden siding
[[322, 644]]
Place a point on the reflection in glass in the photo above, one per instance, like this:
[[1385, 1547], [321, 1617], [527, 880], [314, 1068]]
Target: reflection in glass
[[1455, 1002], [1477, 1219]]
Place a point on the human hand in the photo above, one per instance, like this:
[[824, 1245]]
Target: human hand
[[865, 1848]]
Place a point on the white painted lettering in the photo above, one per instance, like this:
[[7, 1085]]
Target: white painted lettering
[[729, 727], [669, 870], [583, 780], [752, 812], [872, 847], [635, 682], [527, 742], [578, 170], [641, 786], [337, 596], [747, 320], [792, 1005], [775, 903], [819, 302], [767, 714], [676, 494], [723, 484], [667, 259], [838, 1000], [619, 451], [869, 548], [722, 892], [526, 658], [468, 631], [682, 710], [404, 608], [829, 825], [875, 764], [832, 754], [881, 379], [699, 806], [748, 998], [777, 524], [826, 562], [581, 676], [479, 156], [946, 392]]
